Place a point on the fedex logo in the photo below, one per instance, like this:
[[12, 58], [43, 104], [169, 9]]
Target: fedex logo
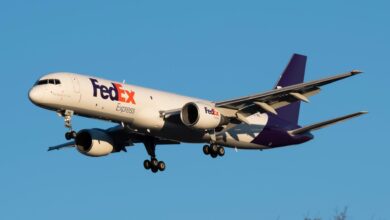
[[114, 92], [211, 111]]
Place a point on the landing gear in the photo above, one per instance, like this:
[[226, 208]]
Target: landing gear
[[153, 164], [67, 114], [221, 151], [206, 149], [70, 135], [214, 150]]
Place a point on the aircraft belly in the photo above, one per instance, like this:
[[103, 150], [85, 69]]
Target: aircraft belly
[[243, 134], [239, 136], [182, 133]]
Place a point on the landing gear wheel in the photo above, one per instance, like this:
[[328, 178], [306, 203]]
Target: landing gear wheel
[[70, 135], [221, 151], [161, 166], [154, 162], [206, 149], [154, 169], [154, 165], [214, 148], [147, 164]]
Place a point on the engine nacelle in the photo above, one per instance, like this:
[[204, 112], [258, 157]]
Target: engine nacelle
[[94, 143], [201, 116]]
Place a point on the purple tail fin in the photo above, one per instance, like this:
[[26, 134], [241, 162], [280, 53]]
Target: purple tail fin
[[293, 74]]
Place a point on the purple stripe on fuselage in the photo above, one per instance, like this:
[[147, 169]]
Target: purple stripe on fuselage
[[275, 133]]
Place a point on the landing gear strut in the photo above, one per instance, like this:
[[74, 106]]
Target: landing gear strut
[[153, 164], [67, 114], [214, 150]]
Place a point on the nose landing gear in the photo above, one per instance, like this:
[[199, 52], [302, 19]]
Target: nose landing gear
[[214, 150], [70, 135], [67, 114]]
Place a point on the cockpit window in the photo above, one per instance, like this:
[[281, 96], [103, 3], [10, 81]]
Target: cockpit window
[[48, 81], [41, 82]]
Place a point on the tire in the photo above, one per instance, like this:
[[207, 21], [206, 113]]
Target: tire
[[68, 136], [73, 134], [154, 169], [161, 166], [221, 151], [154, 162], [206, 149], [213, 155], [147, 164], [214, 148]]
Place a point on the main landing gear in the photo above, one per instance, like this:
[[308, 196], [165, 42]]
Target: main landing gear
[[67, 114], [214, 150], [153, 164]]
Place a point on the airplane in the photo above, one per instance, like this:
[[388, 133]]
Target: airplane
[[261, 121]]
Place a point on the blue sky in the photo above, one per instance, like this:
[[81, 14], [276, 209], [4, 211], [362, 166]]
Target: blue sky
[[209, 49]]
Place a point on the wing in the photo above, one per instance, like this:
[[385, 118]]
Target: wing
[[123, 137], [126, 136], [276, 98]]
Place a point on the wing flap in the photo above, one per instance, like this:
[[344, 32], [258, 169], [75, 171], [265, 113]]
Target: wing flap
[[325, 123]]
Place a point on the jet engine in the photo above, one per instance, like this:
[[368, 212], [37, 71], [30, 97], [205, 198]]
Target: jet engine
[[202, 116], [94, 143]]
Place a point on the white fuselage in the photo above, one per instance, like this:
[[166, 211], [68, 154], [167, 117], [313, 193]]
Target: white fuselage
[[137, 107]]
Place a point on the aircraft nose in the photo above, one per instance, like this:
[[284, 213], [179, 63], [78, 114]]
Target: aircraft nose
[[34, 95]]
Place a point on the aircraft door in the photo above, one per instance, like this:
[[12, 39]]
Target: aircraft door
[[76, 84], [76, 88]]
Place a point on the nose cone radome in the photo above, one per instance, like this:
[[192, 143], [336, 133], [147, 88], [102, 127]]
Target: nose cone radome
[[34, 95]]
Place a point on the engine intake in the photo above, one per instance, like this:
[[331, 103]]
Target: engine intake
[[202, 116], [94, 143]]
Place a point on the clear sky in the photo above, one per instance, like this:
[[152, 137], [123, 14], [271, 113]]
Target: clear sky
[[209, 49]]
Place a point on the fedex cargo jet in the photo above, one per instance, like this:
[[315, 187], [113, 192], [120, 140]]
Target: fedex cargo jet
[[260, 121]]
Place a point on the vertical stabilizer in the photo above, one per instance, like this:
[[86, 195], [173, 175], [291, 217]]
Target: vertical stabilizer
[[293, 74]]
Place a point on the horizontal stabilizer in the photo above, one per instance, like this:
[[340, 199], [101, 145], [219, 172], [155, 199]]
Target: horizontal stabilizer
[[325, 123], [61, 146]]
